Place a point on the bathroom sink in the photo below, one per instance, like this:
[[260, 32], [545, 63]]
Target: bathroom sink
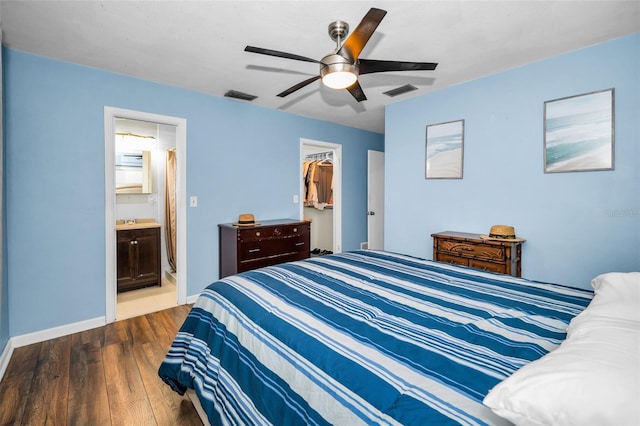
[[136, 224]]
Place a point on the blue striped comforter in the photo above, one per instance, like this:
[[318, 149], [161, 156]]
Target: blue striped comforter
[[363, 337]]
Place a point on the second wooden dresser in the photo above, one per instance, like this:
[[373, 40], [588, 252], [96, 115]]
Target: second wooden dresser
[[462, 248], [272, 242]]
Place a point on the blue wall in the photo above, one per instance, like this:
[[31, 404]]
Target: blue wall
[[239, 158], [577, 225]]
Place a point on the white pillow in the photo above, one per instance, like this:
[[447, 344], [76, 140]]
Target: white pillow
[[593, 377], [617, 295]]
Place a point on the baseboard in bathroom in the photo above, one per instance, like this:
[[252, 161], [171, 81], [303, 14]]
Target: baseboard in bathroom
[[170, 276]]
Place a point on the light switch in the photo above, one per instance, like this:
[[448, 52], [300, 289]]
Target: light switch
[[295, 198], [193, 201]]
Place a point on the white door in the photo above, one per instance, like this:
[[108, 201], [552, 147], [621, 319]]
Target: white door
[[375, 200]]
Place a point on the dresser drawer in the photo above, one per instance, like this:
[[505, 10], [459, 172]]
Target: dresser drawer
[[456, 260], [265, 248], [251, 264], [472, 250], [256, 234], [487, 266]]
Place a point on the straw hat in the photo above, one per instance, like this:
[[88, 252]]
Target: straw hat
[[502, 233], [246, 220]]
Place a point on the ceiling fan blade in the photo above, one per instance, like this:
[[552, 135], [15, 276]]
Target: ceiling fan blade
[[356, 92], [354, 44], [368, 66], [279, 54], [298, 86]]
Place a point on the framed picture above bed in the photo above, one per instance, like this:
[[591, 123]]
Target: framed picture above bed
[[579, 133], [444, 150]]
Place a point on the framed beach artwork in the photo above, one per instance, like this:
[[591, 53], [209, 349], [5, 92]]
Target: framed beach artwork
[[579, 133], [444, 150]]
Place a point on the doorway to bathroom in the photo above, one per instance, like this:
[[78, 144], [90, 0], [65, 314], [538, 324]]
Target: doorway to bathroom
[[145, 212]]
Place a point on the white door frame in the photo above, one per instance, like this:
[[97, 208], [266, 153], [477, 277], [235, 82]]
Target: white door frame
[[110, 114], [337, 186], [375, 200]]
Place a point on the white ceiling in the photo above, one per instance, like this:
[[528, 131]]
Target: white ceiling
[[199, 45]]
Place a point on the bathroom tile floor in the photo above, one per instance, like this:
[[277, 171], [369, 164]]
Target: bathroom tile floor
[[146, 300]]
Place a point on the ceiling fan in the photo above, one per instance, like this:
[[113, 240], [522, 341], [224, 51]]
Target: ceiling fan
[[340, 69]]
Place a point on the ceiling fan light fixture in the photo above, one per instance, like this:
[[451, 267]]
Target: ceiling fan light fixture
[[341, 68], [338, 75], [339, 79]]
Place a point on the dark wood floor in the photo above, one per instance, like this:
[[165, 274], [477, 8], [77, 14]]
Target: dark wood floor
[[104, 376]]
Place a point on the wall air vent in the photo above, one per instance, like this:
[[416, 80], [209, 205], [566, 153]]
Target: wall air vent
[[239, 95], [400, 90]]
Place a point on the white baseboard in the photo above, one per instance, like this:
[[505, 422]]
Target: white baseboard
[[52, 333], [5, 357]]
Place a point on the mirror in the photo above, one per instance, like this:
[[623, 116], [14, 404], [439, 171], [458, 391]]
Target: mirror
[[134, 142], [133, 172]]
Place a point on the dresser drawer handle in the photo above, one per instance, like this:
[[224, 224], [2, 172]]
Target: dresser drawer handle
[[254, 250], [299, 244], [467, 248]]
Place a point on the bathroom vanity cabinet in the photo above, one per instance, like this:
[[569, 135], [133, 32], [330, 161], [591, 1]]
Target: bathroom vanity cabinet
[[138, 258]]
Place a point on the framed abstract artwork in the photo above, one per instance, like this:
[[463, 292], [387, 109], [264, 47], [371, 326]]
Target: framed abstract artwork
[[444, 150], [579, 133]]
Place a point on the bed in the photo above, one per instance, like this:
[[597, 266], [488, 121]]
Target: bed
[[364, 337]]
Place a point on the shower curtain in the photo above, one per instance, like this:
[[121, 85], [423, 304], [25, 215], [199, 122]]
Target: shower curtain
[[170, 207]]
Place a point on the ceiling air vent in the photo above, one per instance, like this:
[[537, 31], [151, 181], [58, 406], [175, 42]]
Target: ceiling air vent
[[239, 95], [400, 90]]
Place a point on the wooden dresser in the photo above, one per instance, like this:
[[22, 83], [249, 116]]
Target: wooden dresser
[[272, 242], [461, 248]]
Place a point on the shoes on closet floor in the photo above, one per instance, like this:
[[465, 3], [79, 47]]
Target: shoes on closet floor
[[319, 252]]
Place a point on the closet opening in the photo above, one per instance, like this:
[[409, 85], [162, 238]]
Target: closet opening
[[321, 195]]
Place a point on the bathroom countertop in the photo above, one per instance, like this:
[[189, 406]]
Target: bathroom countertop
[[139, 224]]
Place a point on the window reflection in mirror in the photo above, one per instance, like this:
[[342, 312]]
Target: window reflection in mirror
[[133, 172], [133, 163]]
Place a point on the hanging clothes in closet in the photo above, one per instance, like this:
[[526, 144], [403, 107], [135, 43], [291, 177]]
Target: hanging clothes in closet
[[318, 181]]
